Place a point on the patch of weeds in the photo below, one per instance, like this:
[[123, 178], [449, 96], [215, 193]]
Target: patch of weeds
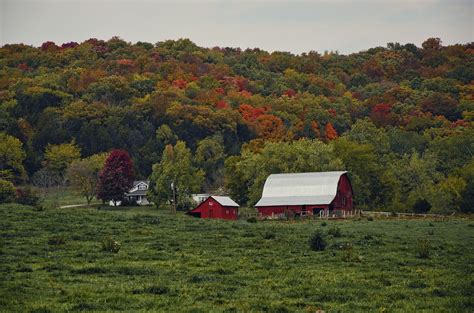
[[248, 234], [324, 223], [154, 290], [57, 240], [431, 224], [252, 220], [146, 219], [423, 248], [84, 306], [199, 279], [90, 270], [110, 245], [349, 254], [415, 284], [317, 241], [370, 218], [439, 292], [430, 232], [24, 269], [42, 309], [269, 235], [335, 231]]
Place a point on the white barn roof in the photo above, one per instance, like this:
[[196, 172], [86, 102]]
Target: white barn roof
[[225, 201], [300, 189]]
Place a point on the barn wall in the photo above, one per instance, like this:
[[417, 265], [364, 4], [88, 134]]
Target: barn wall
[[344, 196]]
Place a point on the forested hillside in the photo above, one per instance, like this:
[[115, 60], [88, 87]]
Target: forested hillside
[[399, 119]]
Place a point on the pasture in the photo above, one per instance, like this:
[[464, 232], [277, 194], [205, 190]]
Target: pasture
[[53, 261]]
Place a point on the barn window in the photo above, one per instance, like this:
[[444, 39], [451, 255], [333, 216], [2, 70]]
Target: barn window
[[210, 203], [343, 200], [226, 211]]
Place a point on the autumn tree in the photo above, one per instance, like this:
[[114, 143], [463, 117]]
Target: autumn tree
[[331, 132], [84, 174], [116, 177], [174, 179]]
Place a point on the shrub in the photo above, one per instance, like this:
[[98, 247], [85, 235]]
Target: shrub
[[317, 241], [269, 235], [423, 248], [324, 223], [349, 254], [252, 220], [110, 245], [370, 218], [27, 196], [57, 240], [335, 231], [7, 191]]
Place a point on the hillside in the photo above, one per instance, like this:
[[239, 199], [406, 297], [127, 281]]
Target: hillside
[[398, 118]]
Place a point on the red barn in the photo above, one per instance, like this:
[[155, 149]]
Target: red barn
[[321, 193], [217, 207]]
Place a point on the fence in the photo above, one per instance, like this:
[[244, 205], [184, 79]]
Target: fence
[[341, 214], [400, 215]]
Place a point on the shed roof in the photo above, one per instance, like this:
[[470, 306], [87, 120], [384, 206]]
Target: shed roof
[[300, 188], [225, 201]]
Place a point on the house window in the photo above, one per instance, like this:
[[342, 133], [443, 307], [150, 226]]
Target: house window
[[142, 187]]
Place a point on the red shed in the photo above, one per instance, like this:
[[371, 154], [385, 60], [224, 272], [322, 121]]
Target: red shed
[[322, 193], [217, 207]]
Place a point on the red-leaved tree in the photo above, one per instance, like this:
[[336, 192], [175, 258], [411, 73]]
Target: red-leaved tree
[[116, 178]]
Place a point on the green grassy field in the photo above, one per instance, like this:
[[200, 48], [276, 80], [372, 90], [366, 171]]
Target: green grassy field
[[52, 261]]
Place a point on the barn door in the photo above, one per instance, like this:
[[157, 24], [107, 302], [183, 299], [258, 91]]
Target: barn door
[[210, 213]]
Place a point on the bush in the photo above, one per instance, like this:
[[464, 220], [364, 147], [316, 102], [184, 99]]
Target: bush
[[27, 196], [370, 218], [423, 248], [110, 245], [57, 240], [324, 223], [7, 191], [317, 241], [335, 231], [252, 220], [269, 235]]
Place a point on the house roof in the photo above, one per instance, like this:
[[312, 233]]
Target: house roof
[[136, 182], [300, 188], [137, 192], [225, 201]]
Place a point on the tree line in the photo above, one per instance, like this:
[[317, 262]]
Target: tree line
[[398, 118]]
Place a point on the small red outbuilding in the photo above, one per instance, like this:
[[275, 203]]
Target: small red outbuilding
[[217, 207]]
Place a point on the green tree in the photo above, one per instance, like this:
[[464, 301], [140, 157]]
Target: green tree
[[84, 174], [280, 157], [58, 157], [7, 191], [209, 157], [174, 179], [365, 172], [11, 157]]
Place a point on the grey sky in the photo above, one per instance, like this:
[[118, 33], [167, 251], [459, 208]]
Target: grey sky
[[296, 26]]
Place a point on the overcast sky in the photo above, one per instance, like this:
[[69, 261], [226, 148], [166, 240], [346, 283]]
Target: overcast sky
[[295, 26]]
